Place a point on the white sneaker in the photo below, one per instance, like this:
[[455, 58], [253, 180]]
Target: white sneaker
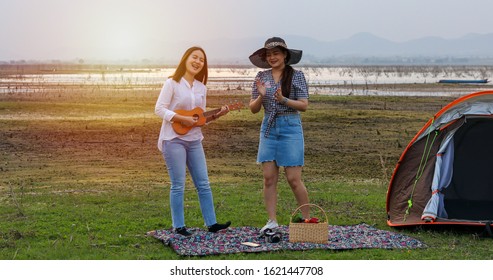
[[270, 225]]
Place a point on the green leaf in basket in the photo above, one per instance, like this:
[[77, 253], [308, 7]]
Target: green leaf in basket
[[298, 218]]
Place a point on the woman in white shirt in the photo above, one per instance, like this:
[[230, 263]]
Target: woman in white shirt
[[185, 90]]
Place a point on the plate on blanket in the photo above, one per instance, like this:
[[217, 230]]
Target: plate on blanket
[[229, 241]]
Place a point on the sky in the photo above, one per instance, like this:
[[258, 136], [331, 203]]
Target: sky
[[112, 29]]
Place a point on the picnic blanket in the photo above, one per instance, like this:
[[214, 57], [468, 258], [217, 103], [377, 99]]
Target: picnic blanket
[[228, 241]]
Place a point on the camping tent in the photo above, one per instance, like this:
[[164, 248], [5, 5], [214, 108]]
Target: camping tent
[[444, 175]]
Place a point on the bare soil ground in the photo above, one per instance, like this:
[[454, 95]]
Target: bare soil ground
[[112, 129], [107, 132], [346, 137]]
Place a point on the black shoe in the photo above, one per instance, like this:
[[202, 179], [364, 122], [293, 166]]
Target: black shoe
[[183, 231], [217, 227]]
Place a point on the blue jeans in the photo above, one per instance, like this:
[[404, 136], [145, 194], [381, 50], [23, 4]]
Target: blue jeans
[[179, 155]]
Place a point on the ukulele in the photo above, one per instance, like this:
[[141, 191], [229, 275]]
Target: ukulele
[[202, 117]]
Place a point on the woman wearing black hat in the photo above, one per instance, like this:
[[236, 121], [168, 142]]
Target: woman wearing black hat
[[283, 92]]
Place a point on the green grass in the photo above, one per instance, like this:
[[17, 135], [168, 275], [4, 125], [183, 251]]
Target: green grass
[[82, 178]]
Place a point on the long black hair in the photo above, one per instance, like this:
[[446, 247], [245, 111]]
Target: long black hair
[[182, 67], [287, 76]]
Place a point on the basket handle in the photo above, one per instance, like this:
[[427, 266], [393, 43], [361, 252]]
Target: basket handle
[[310, 204]]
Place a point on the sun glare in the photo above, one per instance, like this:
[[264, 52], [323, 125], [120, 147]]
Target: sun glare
[[123, 40]]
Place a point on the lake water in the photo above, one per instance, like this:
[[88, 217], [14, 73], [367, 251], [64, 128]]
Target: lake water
[[321, 80]]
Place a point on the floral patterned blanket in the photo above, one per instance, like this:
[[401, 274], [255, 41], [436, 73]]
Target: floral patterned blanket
[[232, 240]]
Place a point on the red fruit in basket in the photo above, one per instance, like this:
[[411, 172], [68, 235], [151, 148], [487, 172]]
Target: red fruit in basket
[[313, 220]]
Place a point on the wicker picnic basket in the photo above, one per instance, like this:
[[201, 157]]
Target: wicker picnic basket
[[309, 232]]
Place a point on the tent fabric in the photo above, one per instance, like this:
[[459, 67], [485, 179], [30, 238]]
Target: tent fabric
[[470, 194], [470, 107], [441, 179], [443, 176]]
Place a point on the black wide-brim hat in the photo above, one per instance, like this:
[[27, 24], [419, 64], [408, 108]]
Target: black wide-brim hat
[[258, 57]]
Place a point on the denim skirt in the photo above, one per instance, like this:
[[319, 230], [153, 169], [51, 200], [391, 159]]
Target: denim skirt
[[284, 143]]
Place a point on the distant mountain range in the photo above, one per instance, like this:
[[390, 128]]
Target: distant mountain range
[[359, 48]]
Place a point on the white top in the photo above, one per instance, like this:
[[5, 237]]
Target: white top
[[179, 96]]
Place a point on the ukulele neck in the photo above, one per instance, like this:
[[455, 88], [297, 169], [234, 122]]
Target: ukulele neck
[[209, 115]]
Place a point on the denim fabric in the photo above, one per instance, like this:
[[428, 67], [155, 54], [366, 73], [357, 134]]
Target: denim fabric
[[285, 142], [179, 155]]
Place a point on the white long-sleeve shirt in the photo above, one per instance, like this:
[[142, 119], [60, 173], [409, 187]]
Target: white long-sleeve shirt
[[179, 96]]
